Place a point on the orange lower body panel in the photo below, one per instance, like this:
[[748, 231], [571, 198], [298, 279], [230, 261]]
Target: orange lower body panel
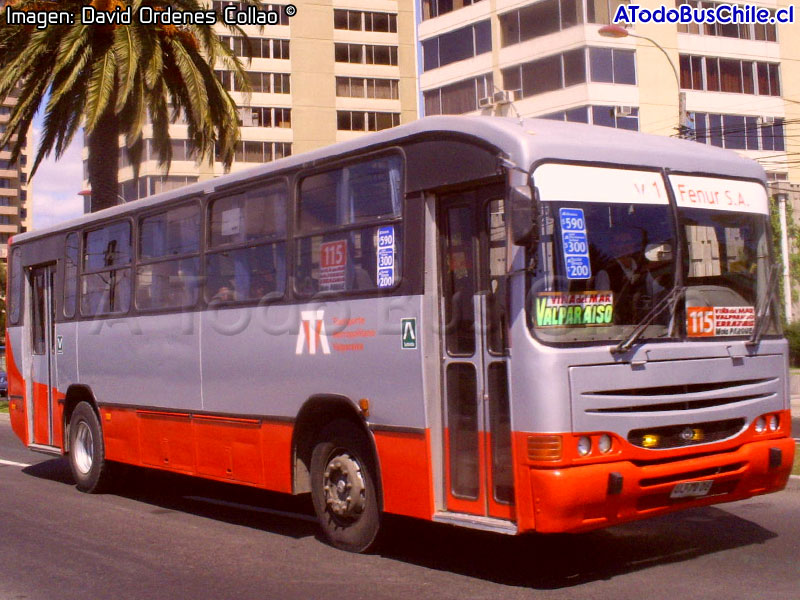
[[248, 451], [576, 499], [256, 452], [405, 464]]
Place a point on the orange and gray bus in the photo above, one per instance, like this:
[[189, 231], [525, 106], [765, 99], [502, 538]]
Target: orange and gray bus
[[499, 324]]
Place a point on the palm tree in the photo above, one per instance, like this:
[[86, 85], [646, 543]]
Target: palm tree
[[110, 78]]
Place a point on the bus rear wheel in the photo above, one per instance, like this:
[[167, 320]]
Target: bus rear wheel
[[87, 450], [343, 487]]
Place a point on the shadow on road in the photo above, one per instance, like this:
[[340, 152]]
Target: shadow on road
[[535, 561], [557, 561]]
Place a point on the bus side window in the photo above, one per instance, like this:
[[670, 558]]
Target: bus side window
[[15, 292], [106, 280], [349, 237], [169, 242], [71, 275], [246, 257]]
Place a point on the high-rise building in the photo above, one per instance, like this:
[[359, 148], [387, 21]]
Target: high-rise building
[[559, 59], [741, 83], [15, 193], [335, 70]]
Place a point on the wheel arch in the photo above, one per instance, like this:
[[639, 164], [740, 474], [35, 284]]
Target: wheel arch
[[77, 393], [317, 411]]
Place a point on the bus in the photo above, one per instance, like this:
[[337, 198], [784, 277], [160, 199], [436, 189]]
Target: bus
[[501, 324]]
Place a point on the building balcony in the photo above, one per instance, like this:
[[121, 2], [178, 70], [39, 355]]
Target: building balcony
[[9, 211], [9, 228]]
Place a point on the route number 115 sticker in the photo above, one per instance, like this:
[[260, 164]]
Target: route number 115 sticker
[[575, 243]]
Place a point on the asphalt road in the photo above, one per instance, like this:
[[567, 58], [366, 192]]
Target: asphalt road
[[165, 536]]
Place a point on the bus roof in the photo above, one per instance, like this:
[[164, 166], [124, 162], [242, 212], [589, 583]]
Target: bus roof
[[523, 142]]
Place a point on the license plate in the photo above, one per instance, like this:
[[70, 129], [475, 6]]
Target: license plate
[[691, 489]]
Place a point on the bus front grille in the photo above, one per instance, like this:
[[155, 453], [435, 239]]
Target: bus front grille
[[689, 434]]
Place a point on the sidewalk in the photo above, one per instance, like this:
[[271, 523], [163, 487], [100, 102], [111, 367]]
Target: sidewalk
[[796, 407]]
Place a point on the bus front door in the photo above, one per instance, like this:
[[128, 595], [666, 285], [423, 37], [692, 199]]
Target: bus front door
[[477, 438], [42, 377]]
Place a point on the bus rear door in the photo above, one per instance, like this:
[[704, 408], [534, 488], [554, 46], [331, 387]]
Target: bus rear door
[[41, 381]]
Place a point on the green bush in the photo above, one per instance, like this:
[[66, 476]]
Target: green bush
[[792, 333]]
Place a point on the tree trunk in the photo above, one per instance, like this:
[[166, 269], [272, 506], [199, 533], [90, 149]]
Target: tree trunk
[[103, 160]]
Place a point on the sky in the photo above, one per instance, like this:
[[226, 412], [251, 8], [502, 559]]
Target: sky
[[56, 183]]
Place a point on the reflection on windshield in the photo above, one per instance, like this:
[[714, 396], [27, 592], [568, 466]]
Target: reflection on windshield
[[598, 281]]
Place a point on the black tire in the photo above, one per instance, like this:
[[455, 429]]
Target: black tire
[[343, 456], [87, 453]]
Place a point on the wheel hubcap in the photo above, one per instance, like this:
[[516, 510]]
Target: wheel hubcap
[[84, 448], [345, 493]]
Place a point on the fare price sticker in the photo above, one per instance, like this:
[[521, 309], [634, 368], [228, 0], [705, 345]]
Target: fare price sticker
[[575, 243], [386, 256]]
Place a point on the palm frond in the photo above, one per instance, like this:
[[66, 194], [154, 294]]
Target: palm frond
[[126, 50], [101, 88]]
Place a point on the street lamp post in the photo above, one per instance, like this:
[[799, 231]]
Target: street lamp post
[[617, 31]]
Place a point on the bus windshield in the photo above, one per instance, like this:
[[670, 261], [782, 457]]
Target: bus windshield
[[607, 256]]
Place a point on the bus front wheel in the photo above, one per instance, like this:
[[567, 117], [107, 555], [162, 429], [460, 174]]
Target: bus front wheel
[[87, 450], [343, 487]]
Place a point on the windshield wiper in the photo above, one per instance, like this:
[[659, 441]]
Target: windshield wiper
[[670, 300], [766, 302]]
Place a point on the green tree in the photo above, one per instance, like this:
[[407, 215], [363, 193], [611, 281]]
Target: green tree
[[110, 79], [792, 233]]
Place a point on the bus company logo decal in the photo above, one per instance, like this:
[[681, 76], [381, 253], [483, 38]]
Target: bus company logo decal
[[312, 332]]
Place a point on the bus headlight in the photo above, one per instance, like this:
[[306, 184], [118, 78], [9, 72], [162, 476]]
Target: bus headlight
[[761, 425], [584, 446], [604, 443], [773, 423]]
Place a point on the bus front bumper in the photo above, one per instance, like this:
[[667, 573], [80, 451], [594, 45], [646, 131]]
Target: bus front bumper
[[588, 497]]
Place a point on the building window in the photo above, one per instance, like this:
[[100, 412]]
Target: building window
[[460, 44], [356, 20], [606, 116], [356, 120], [368, 54], [608, 65], [365, 87], [264, 116], [602, 11], [740, 132], [743, 31], [283, 18], [435, 8], [563, 70], [259, 47], [539, 19], [707, 73], [278, 83], [458, 98]]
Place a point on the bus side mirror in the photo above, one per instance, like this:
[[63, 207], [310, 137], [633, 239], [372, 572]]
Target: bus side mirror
[[524, 209]]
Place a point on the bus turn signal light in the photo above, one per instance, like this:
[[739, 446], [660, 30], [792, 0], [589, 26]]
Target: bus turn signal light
[[363, 404], [544, 448]]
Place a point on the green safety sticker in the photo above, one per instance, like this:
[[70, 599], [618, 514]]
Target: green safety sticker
[[408, 328]]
